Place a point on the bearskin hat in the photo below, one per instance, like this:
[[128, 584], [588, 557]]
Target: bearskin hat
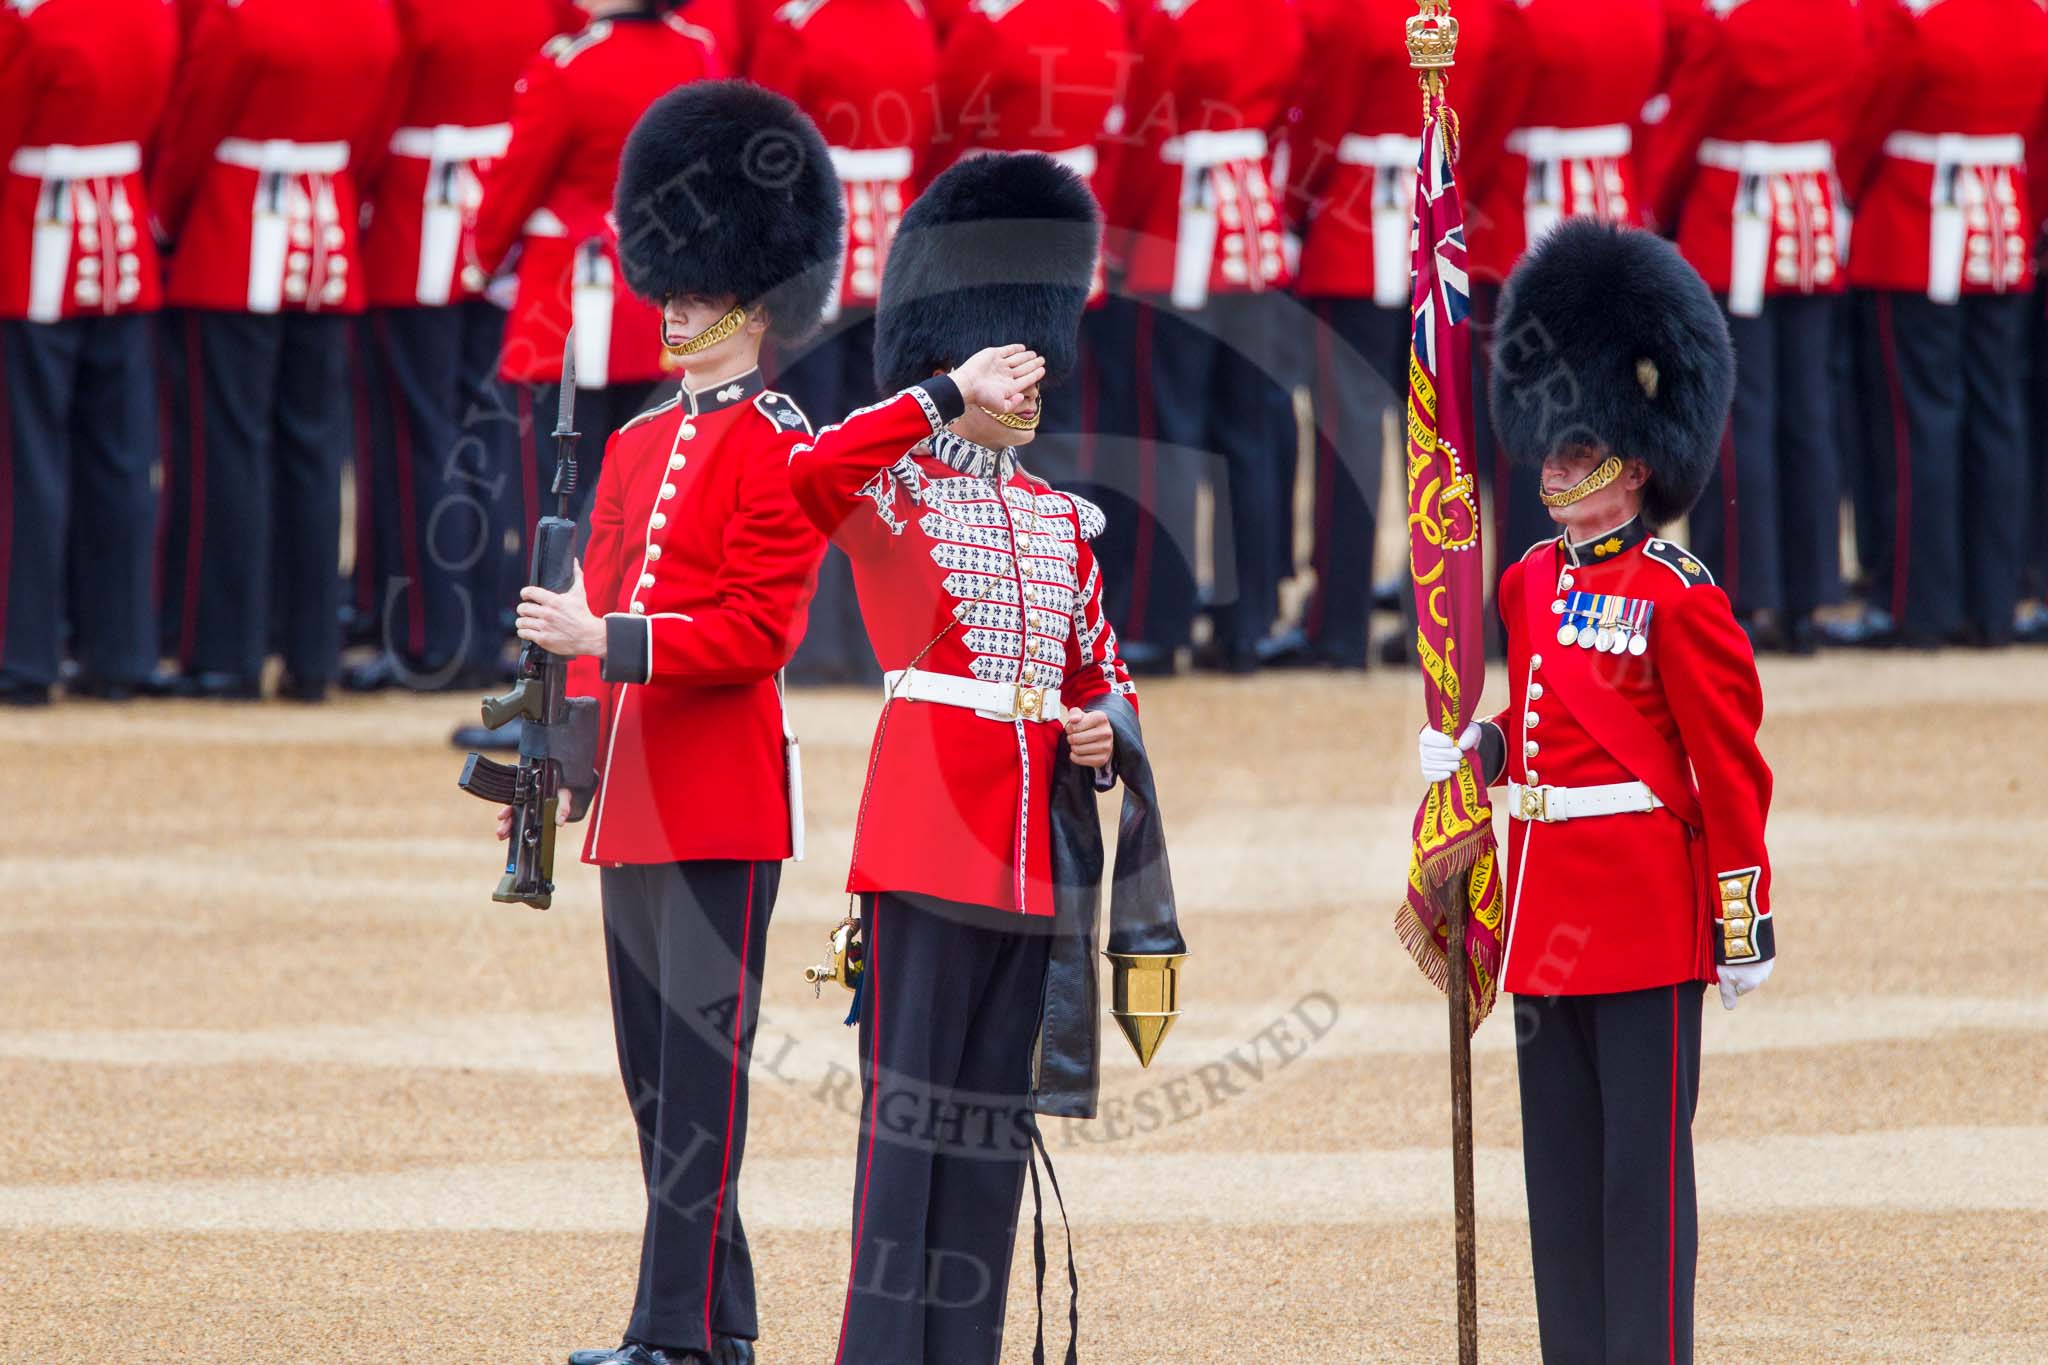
[[1000, 248], [726, 188], [1607, 338]]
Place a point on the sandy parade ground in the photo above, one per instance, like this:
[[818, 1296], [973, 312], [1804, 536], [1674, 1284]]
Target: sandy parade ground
[[280, 1083]]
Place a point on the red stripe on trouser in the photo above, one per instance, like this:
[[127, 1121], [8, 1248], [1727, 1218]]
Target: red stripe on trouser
[[410, 533], [1091, 407], [165, 464], [6, 506], [195, 472], [860, 1218], [732, 1103], [1148, 477], [1329, 426], [366, 517], [1731, 517], [1671, 1208], [529, 462], [1902, 462]]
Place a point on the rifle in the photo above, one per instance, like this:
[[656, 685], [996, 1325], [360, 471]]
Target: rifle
[[558, 733]]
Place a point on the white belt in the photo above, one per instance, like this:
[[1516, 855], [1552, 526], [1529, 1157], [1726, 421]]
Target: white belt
[[1551, 805], [1571, 144], [546, 223], [992, 700], [1382, 149], [282, 156], [1080, 160], [871, 164], [59, 162], [453, 142], [1203, 148], [1767, 158], [1958, 149]]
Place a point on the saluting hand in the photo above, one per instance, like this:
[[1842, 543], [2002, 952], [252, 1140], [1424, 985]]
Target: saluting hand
[[1089, 738], [561, 622], [997, 378]]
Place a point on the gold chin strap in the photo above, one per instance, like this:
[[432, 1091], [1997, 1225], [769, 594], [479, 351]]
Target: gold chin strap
[[1608, 472], [710, 336], [1013, 421]]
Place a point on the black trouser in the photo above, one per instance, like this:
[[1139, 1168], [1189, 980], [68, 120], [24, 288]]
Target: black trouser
[[1519, 517], [1206, 411], [948, 1020], [1092, 421], [434, 503], [1361, 374], [259, 428], [1609, 1085], [2035, 583], [1769, 524], [1859, 460], [685, 943], [829, 378], [1948, 423], [78, 438]]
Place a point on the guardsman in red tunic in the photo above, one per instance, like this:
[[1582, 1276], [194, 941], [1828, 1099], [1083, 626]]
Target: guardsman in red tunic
[[432, 486], [984, 601], [1935, 168], [1636, 795], [691, 599], [1351, 196], [1549, 134], [876, 113], [78, 280], [1742, 169], [254, 193], [548, 196], [1196, 221]]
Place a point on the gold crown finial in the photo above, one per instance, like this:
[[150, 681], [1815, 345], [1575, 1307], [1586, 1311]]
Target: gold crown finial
[[1432, 36]]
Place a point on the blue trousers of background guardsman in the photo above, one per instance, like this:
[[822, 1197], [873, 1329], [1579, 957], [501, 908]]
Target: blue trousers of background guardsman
[[78, 438]]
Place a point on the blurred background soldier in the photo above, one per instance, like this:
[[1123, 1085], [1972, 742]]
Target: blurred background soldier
[[548, 197], [1936, 169], [1742, 168], [253, 188], [690, 602], [1549, 134], [1049, 76], [876, 113], [78, 280], [1197, 224], [437, 472]]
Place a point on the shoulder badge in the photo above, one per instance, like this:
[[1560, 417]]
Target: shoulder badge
[[569, 46], [1679, 560], [653, 412], [782, 412], [1089, 515]]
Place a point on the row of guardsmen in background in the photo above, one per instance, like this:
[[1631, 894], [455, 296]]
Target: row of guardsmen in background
[[252, 251]]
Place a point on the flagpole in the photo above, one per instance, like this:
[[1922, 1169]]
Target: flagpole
[[1432, 36]]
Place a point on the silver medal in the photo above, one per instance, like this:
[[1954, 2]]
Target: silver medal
[[1639, 645], [1586, 639]]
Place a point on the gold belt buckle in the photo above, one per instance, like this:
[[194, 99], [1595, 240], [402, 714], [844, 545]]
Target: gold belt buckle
[[1535, 804], [1030, 702]]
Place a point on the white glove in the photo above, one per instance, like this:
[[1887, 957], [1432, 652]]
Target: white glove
[[1440, 757], [1737, 982]]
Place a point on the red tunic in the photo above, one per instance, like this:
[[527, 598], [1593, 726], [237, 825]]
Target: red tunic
[[1193, 210], [967, 566], [1630, 901], [1935, 162], [252, 180], [78, 113], [446, 117], [875, 113], [551, 194], [1550, 132], [1353, 153], [1743, 162], [702, 566]]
